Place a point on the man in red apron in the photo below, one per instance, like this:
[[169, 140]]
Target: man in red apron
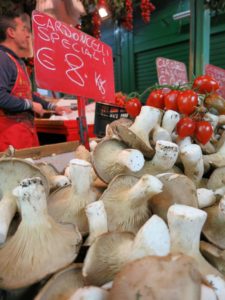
[[17, 102]]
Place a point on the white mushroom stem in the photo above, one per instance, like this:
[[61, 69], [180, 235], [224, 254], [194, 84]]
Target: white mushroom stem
[[213, 119], [8, 209], [90, 293], [145, 122], [192, 159], [220, 191], [160, 133], [152, 239], [146, 187], [206, 197], [207, 293], [185, 225], [170, 120], [58, 181], [222, 206], [80, 174], [131, 158], [183, 142], [97, 220], [218, 285], [165, 156]]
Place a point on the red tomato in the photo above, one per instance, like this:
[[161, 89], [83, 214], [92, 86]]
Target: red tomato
[[203, 131], [120, 99], [187, 102], [170, 100], [156, 99], [185, 127], [205, 84], [133, 107]]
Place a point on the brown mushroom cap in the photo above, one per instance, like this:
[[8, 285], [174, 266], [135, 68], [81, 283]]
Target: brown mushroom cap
[[216, 179], [111, 129], [103, 159], [177, 189], [214, 255], [106, 256], [63, 284], [124, 213], [13, 170], [157, 278], [134, 141], [214, 227]]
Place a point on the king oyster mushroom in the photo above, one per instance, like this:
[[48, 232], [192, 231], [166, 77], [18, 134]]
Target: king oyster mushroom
[[137, 135], [12, 171], [68, 203], [214, 255], [189, 220], [110, 251], [177, 188], [40, 246], [214, 227], [126, 201], [156, 278], [63, 284], [111, 157]]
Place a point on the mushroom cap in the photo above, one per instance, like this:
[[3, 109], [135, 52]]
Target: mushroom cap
[[103, 159], [214, 227], [13, 170], [216, 179], [111, 128], [134, 141], [121, 213], [106, 256], [63, 284], [47, 168], [214, 255], [157, 278], [177, 188]]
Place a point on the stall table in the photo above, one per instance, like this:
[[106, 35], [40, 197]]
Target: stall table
[[68, 128]]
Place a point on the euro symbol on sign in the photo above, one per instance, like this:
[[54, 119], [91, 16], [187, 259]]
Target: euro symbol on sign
[[45, 59]]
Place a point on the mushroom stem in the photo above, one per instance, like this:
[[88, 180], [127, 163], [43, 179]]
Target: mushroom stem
[[152, 239], [146, 187], [160, 133], [97, 220], [80, 171], [90, 292], [170, 119], [206, 197], [145, 122], [165, 156], [7, 211], [192, 159], [185, 225], [131, 158]]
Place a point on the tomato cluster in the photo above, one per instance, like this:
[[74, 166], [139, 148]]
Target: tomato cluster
[[186, 102]]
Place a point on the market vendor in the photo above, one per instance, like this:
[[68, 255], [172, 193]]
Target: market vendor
[[17, 102]]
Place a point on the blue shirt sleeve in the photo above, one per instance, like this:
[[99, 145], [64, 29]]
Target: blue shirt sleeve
[[8, 74]]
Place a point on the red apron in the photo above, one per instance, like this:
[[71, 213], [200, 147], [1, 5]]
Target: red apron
[[18, 129]]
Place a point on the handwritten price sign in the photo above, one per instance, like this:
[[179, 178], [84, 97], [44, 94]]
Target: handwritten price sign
[[219, 75], [68, 60], [171, 71]]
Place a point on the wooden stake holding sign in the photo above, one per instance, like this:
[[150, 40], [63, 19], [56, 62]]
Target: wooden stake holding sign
[[69, 61]]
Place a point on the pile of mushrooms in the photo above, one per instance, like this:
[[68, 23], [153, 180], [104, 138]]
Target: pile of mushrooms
[[155, 229]]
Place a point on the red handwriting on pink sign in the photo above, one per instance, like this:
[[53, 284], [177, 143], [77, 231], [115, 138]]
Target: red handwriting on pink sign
[[69, 61], [170, 71], [219, 75]]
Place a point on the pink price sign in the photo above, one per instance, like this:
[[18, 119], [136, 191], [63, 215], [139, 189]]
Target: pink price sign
[[68, 60], [219, 75], [171, 72]]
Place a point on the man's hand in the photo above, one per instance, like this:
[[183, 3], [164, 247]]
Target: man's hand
[[60, 110], [38, 109]]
